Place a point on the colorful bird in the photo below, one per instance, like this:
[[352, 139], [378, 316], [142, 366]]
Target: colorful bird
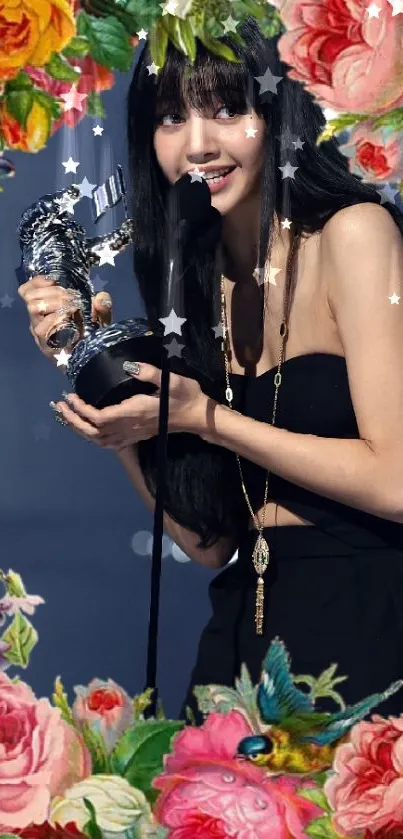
[[299, 739]]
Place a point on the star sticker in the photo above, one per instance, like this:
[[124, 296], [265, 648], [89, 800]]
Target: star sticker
[[42, 306], [170, 8], [172, 323], [394, 298], [86, 189], [62, 358], [66, 203], [287, 171], [373, 10], [250, 132], [387, 193], [298, 144], [73, 99], [41, 431], [70, 165], [106, 254], [270, 279], [287, 139], [174, 349], [286, 224], [230, 24], [218, 331], [153, 69], [268, 82], [97, 130], [98, 284], [142, 34], [6, 301], [197, 175]]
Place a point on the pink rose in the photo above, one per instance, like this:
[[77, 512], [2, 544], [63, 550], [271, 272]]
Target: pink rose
[[373, 155], [366, 790], [106, 707], [207, 791], [40, 755], [348, 60]]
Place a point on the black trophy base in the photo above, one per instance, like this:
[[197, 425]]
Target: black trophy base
[[102, 381]]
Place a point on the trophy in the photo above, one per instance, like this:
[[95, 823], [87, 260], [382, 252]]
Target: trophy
[[53, 243]]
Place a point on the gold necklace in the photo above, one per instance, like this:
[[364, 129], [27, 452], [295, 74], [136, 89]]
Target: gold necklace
[[261, 552]]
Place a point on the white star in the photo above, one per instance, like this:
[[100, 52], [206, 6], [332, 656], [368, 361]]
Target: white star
[[153, 69], [86, 189], [169, 8], [250, 132], [394, 298], [288, 170], [172, 323], [197, 175], [142, 33], [387, 193], [271, 278], [106, 254], [218, 330], [298, 144], [70, 165], [286, 224], [373, 10], [66, 203], [62, 358], [6, 301], [97, 130]]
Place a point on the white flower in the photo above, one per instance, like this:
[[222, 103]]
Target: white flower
[[118, 806]]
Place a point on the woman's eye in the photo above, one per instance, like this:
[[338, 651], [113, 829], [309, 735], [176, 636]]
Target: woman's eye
[[161, 119]]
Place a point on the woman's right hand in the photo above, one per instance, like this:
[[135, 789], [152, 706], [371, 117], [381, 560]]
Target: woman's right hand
[[43, 299]]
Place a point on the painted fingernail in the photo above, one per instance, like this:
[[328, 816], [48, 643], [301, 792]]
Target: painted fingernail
[[131, 367], [67, 397], [54, 407]]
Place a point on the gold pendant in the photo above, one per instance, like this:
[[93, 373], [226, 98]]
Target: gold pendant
[[261, 558]]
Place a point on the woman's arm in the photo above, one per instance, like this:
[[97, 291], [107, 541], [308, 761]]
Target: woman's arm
[[214, 557]]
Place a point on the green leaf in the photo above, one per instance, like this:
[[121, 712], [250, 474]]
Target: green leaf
[[13, 581], [19, 104], [95, 107], [157, 43], [109, 41], [138, 754], [50, 105], [218, 48], [91, 828], [97, 749], [78, 47], [60, 69], [22, 636], [60, 700], [323, 829], [8, 835], [317, 796]]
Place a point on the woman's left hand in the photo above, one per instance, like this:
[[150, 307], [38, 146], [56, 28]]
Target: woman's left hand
[[120, 426]]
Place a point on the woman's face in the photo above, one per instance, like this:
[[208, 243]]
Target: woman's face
[[192, 141]]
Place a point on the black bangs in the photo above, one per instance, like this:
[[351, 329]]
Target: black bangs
[[209, 83]]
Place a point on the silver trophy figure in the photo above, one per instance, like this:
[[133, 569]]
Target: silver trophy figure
[[53, 243]]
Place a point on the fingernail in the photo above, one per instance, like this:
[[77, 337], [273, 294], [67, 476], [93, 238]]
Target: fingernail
[[67, 397], [54, 407], [107, 302], [131, 367]]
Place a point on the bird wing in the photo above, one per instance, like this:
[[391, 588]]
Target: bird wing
[[341, 722], [277, 695]]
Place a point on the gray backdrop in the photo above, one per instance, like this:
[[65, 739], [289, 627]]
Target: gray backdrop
[[71, 521]]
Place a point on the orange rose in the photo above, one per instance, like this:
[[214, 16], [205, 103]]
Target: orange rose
[[33, 137], [31, 30]]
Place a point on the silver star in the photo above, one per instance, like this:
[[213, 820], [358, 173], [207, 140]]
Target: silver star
[[387, 193], [174, 349], [394, 298], [6, 301], [66, 204], [218, 331], [288, 170], [268, 82], [106, 254], [98, 130], [172, 323], [229, 24], [153, 69], [197, 175], [86, 189]]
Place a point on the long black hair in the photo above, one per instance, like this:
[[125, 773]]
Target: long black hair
[[203, 484]]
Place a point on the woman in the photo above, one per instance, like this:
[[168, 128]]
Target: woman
[[293, 249]]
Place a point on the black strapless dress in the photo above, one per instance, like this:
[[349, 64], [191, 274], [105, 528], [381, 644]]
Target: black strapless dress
[[334, 588]]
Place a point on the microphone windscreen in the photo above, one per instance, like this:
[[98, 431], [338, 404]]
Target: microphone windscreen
[[195, 216]]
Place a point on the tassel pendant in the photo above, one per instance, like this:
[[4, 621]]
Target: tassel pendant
[[261, 558]]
